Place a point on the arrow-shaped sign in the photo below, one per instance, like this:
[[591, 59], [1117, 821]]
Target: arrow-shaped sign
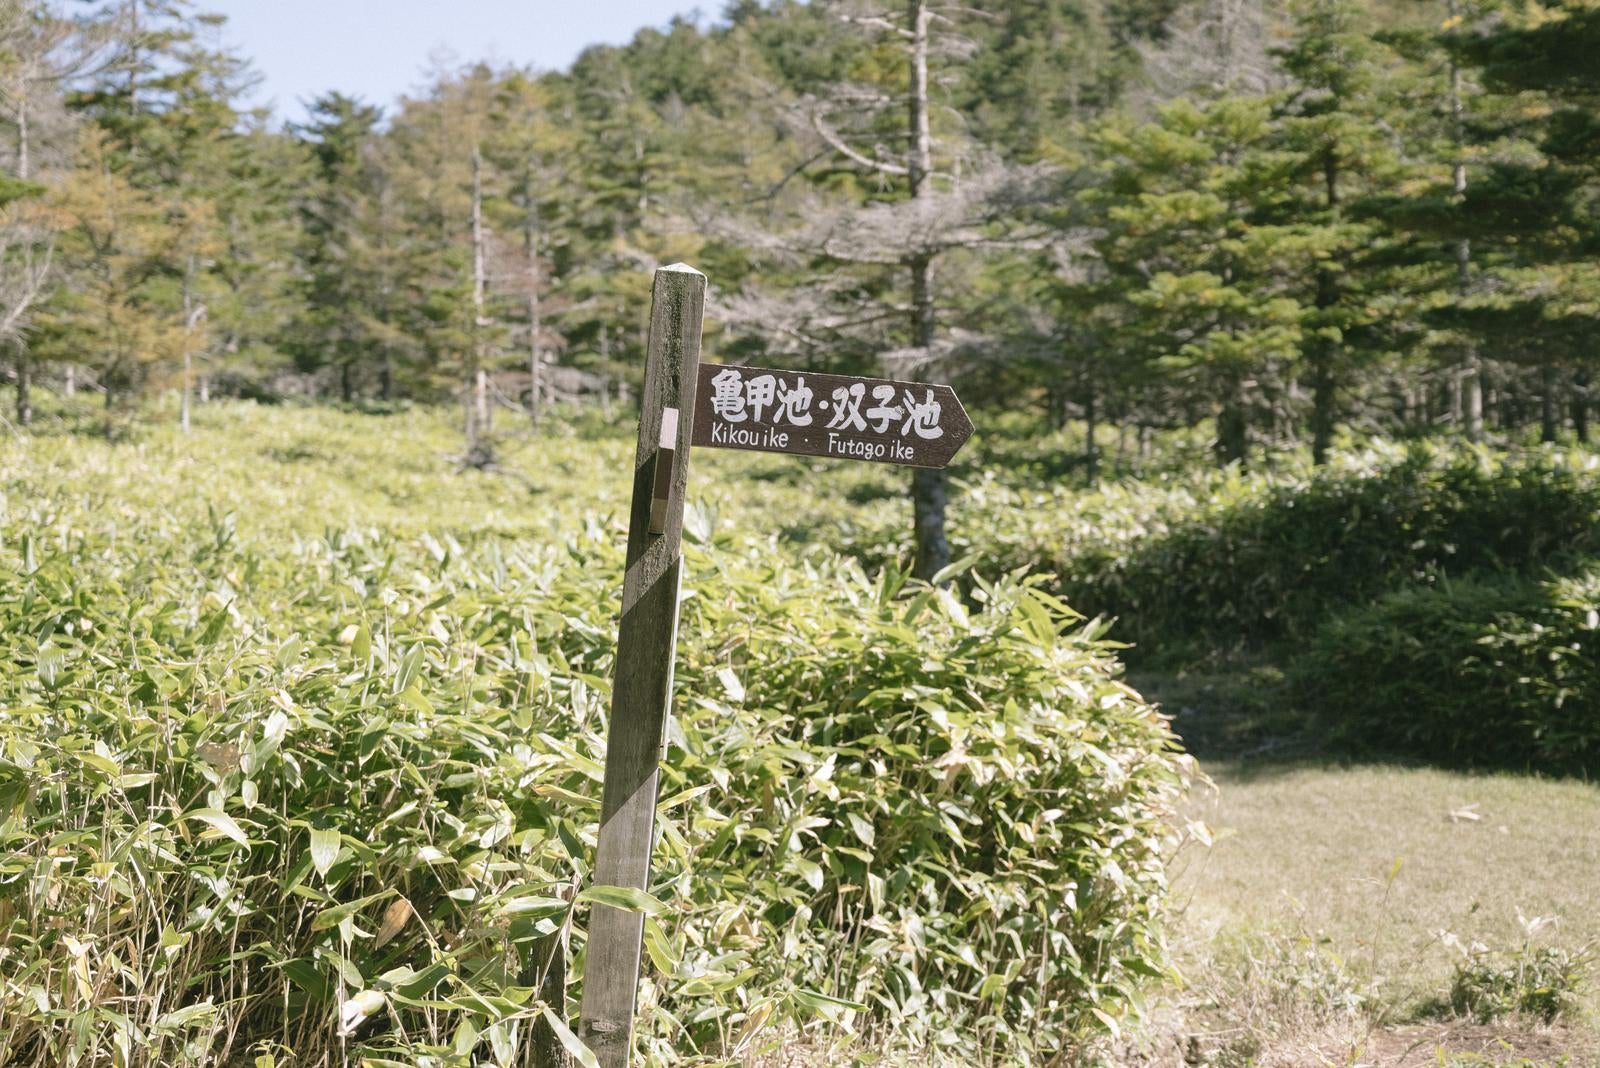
[[841, 416]]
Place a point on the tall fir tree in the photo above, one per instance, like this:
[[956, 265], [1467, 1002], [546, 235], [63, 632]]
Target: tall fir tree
[[1328, 124]]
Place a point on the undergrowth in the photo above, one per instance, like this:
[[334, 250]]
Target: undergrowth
[[1498, 672], [319, 786]]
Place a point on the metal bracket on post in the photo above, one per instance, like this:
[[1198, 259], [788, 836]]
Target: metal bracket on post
[[666, 452]]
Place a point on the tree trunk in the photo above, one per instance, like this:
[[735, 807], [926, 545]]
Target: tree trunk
[[24, 388], [24, 364], [1233, 434], [70, 387], [641, 174], [24, 164], [386, 377], [930, 491], [134, 40], [1580, 407], [188, 375], [1056, 407], [205, 389], [477, 383], [347, 386], [1091, 449], [188, 341], [1322, 401], [480, 402], [1547, 404], [1472, 400], [1471, 383], [530, 248], [921, 161], [1325, 351]]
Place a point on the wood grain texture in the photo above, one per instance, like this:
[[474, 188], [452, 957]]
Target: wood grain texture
[[641, 695]]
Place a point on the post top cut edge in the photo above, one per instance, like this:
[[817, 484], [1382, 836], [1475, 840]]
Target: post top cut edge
[[680, 268]]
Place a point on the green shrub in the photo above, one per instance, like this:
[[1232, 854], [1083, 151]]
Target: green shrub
[[1475, 673], [1539, 981], [257, 777], [1217, 561], [1273, 564]]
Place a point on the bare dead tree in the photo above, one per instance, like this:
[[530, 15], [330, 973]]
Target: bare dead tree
[[1470, 392], [535, 271], [44, 50], [27, 246], [477, 384], [1212, 47], [951, 197], [26, 250]]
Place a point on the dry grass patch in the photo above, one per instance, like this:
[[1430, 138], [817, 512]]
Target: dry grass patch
[[1312, 929], [1311, 850]]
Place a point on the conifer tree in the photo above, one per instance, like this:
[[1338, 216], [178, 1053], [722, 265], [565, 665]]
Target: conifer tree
[[1328, 125], [345, 319], [530, 149], [1199, 258], [116, 309], [1544, 57]]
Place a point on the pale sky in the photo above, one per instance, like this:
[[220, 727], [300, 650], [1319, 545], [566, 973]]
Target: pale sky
[[379, 49]]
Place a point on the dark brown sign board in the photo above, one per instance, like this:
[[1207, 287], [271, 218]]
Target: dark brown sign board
[[843, 417]]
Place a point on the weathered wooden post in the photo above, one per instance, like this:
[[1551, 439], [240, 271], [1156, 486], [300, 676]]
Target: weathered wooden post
[[761, 409], [642, 691]]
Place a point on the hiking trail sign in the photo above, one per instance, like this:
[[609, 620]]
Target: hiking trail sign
[[686, 403], [840, 416]]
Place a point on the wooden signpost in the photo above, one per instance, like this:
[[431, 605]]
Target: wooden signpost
[[686, 403]]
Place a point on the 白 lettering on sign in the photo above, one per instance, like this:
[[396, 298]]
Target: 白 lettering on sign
[[841, 416]]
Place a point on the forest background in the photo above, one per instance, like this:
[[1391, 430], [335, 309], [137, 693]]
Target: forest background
[[1275, 223]]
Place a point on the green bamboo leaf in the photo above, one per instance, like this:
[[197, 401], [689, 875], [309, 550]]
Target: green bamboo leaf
[[213, 626], [336, 915], [410, 668], [189, 1014], [532, 907], [569, 1041], [730, 683], [659, 947], [324, 849], [626, 898], [826, 1004], [221, 823]]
